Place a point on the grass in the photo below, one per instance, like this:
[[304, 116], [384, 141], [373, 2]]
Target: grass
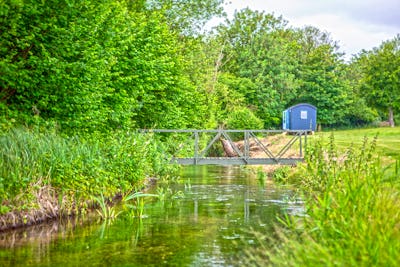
[[40, 167], [352, 206], [388, 144]]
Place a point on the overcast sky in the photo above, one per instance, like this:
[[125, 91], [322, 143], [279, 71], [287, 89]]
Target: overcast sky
[[355, 24]]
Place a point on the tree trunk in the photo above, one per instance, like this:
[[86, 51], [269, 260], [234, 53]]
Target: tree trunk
[[391, 119]]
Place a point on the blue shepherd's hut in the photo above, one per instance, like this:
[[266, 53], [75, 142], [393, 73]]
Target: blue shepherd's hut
[[300, 117]]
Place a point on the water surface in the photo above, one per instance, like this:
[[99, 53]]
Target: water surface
[[205, 220]]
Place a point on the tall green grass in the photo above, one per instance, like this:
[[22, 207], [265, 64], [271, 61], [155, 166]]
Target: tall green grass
[[352, 213], [76, 169]]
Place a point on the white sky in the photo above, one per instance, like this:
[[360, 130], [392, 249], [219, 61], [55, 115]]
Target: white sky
[[355, 24]]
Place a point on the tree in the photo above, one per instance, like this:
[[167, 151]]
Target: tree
[[56, 59], [94, 66], [321, 75], [381, 68], [187, 16], [359, 112], [261, 51]]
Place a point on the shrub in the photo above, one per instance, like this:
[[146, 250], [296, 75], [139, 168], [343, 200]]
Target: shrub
[[243, 118]]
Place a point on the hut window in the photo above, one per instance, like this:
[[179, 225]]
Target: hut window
[[303, 114]]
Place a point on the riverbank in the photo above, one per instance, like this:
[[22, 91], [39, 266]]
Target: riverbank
[[352, 209], [45, 176]]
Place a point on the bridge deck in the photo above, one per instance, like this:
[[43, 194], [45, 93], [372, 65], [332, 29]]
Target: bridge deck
[[236, 161]]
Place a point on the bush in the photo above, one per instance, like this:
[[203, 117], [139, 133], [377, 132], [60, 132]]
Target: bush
[[243, 118]]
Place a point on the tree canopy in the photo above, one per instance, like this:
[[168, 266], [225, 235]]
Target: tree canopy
[[381, 80]]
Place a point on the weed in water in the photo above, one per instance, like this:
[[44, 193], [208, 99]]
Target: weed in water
[[281, 174], [261, 176], [106, 211], [134, 203], [188, 185]]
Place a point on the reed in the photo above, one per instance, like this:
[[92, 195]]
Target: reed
[[75, 169], [106, 210], [134, 203], [353, 213]]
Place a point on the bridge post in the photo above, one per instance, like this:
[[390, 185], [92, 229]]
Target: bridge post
[[305, 142], [301, 144], [246, 144], [196, 146]]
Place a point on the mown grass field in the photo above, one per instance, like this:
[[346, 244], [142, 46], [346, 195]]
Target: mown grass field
[[388, 143]]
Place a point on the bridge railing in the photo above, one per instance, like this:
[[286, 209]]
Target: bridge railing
[[240, 152]]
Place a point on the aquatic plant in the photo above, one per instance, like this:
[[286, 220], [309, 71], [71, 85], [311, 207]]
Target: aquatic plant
[[281, 174], [261, 176], [106, 210], [162, 193], [188, 185], [134, 203]]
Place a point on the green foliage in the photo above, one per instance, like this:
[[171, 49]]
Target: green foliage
[[261, 55], [93, 67], [352, 213], [74, 166], [279, 67], [226, 98], [135, 208], [281, 174], [243, 118], [358, 112], [96, 66], [106, 211], [382, 76], [261, 176], [132, 203], [92, 70], [321, 76], [188, 16]]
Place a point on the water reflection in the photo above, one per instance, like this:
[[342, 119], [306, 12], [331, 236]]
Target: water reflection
[[42, 234], [202, 226]]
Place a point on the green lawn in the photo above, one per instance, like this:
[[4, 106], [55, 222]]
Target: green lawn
[[388, 144]]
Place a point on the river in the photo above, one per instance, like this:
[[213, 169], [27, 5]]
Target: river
[[205, 220]]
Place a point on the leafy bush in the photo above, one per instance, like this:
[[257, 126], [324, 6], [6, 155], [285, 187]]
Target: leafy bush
[[243, 118]]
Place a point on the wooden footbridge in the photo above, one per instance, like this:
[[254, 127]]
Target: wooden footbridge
[[284, 147]]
